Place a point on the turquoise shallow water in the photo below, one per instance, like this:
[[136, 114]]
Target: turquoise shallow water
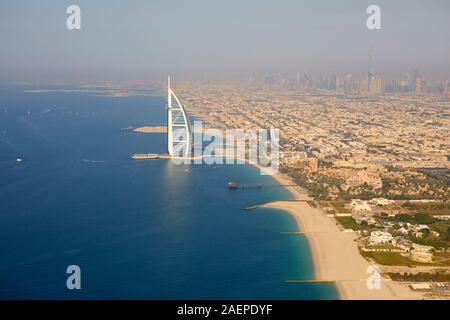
[[137, 229]]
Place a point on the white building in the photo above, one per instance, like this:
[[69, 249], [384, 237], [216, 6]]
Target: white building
[[382, 201], [420, 286], [178, 129], [377, 237], [417, 227], [422, 248], [442, 217]]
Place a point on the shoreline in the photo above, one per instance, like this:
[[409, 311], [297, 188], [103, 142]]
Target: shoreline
[[334, 254]]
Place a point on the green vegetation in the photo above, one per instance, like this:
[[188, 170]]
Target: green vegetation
[[348, 222], [388, 258], [322, 187], [383, 246], [434, 184], [423, 218], [442, 227], [427, 205], [418, 218], [426, 241], [420, 277], [317, 188], [441, 259], [364, 192], [433, 208], [339, 206]]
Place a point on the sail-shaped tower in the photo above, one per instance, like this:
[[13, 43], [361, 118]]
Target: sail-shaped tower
[[178, 129]]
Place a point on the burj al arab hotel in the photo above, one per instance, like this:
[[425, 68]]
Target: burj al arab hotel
[[178, 129]]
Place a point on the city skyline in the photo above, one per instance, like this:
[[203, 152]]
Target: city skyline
[[319, 37], [204, 149]]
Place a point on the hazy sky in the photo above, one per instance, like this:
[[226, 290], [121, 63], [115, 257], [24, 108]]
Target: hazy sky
[[144, 38]]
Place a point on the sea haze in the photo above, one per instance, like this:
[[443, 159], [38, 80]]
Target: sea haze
[[137, 229]]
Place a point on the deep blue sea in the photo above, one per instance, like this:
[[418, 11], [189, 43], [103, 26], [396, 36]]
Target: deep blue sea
[[137, 229]]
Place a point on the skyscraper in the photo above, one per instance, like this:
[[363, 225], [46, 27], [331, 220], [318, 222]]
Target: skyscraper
[[370, 73], [178, 130], [417, 82]]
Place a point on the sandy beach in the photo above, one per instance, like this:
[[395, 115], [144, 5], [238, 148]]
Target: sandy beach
[[335, 254]]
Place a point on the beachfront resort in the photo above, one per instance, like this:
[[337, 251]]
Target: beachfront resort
[[373, 168]]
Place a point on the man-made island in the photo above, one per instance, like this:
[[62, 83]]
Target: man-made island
[[151, 129]]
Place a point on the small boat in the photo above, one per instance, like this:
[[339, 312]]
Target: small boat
[[19, 160], [232, 185]]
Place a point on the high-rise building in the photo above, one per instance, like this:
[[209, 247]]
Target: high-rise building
[[334, 82], [269, 81], [370, 74], [376, 84], [418, 85], [417, 82], [178, 129]]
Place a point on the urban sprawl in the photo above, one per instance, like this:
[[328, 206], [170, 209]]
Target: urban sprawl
[[373, 154]]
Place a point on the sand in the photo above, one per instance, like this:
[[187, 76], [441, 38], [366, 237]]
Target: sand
[[335, 254], [151, 129]]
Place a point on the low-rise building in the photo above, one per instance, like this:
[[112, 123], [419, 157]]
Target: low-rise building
[[382, 201], [419, 256], [422, 248], [377, 237], [403, 244], [442, 217], [308, 165], [420, 286]]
